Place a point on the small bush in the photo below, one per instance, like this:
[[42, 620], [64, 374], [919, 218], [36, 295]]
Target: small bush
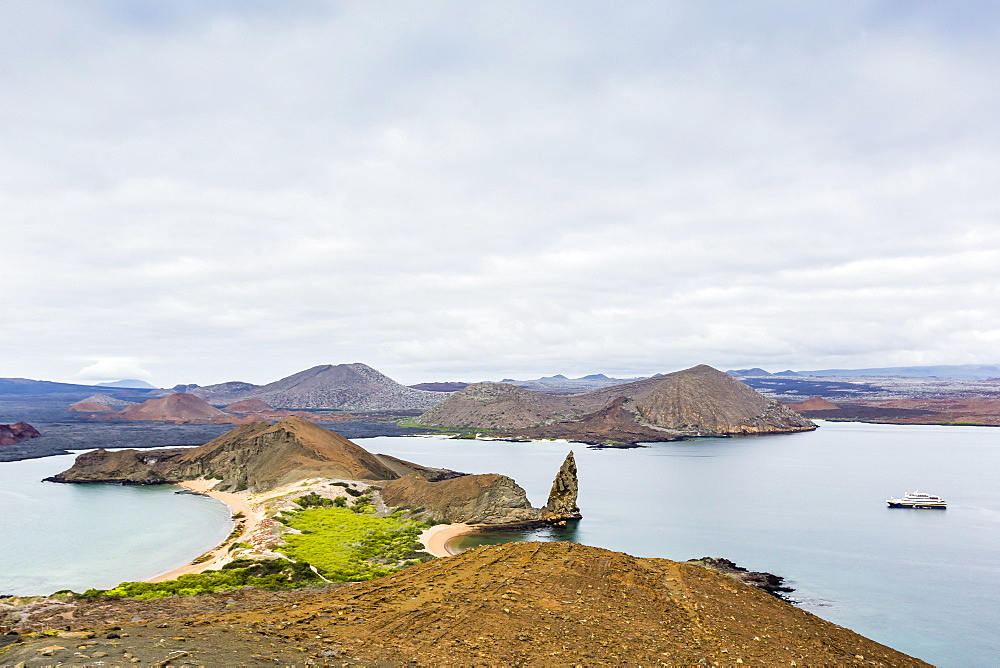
[[312, 500], [265, 574]]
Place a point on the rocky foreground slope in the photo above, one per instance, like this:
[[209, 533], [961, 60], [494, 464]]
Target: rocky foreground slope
[[700, 401], [534, 604]]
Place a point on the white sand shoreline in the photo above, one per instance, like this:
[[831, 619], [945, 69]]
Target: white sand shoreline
[[436, 539], [219, 556]]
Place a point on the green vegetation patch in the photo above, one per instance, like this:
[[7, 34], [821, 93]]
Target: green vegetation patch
[[351, 544], [265, 573]]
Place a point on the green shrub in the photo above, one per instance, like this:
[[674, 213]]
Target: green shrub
[[347, 545], [313, 500], [266, 574]]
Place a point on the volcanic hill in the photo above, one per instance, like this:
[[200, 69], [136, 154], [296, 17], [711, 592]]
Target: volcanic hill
[[354, 387], [254, 456], [175, 407], [700, 401], [257, 457], [530, 604], [99, 403], [12, 434]]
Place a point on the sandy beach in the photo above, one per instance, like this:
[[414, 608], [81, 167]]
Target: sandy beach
[[435, 540], [238, 502]]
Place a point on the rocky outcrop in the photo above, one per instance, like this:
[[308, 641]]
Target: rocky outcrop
[[11, 434], [175, 407], [253, 457], [488, 498], [561, 505], [769, 582], [700, 401], [125, 467]]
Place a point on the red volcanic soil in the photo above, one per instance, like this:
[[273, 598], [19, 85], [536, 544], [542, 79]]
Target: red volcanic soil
[[180, 406], [814, 404], [977, 410], [90, 407], [249, 406], [11, 434]]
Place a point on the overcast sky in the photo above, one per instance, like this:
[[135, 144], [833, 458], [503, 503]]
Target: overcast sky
[[197, 191]]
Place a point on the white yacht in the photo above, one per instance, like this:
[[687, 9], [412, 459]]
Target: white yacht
[[918, 500]]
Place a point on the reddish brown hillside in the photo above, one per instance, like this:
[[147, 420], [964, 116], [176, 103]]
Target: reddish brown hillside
[[518, 604], [813, 404], [179, 406], [295, 448], [249, 406], [562, 604], [488, 498], [254, 456], [11, 434]]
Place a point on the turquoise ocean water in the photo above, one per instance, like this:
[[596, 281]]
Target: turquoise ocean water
[[55, 536], [810, 507]]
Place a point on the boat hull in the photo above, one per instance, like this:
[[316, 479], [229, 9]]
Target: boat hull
[[923, 506]]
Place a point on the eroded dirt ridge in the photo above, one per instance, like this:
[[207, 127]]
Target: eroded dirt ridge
[[540, 604]]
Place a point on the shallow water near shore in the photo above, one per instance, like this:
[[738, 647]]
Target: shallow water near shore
[[809, 507], [56, 536]]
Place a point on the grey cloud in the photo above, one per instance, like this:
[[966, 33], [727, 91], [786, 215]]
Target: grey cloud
[[479, 191]]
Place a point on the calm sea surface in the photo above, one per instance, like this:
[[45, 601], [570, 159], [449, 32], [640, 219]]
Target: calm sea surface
[[55, 536], [810, 507]]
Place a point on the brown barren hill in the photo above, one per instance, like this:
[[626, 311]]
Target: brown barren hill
[[505, 406], [559, 604], [249, 406], [705, 400], [814, 404], [12, 434], [254, 457], [517, 604], [487, 498], [699, 401], [176, 407]]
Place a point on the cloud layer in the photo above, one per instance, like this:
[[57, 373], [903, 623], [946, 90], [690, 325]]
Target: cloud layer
[[450, 190]]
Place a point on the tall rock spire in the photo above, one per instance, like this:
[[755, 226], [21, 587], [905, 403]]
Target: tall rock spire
[[561, 505]]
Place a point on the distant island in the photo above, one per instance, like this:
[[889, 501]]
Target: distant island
[[696, 402]]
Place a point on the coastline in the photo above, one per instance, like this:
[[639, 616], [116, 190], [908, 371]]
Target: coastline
[[436, 540], [238, 502]]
